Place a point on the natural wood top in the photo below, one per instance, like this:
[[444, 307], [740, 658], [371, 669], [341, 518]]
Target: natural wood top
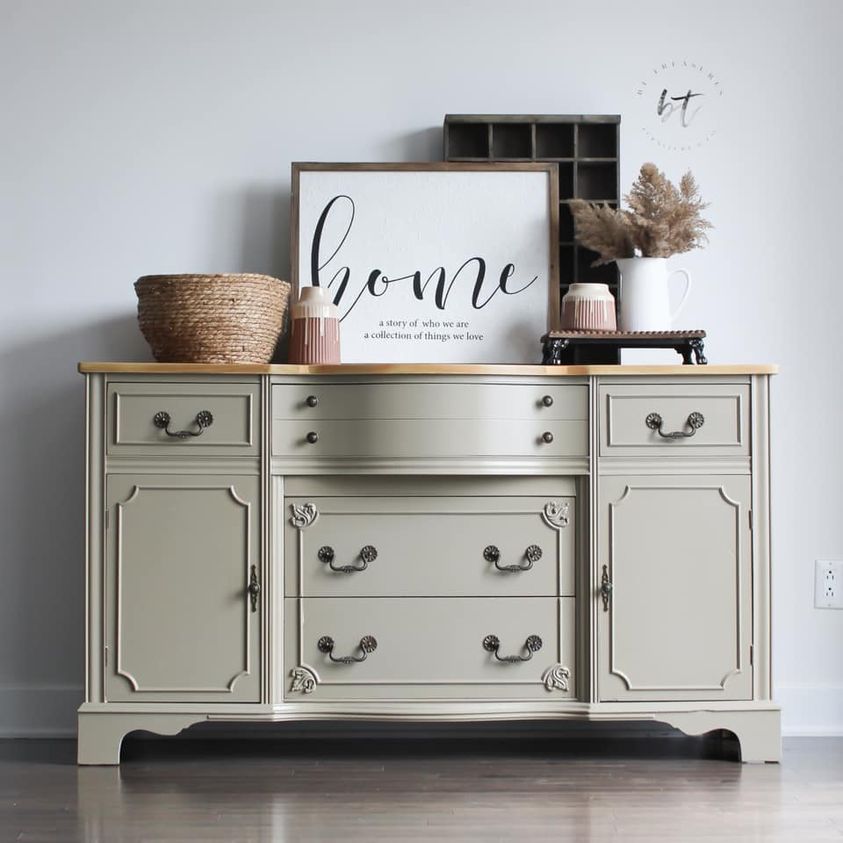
[[416, 369]]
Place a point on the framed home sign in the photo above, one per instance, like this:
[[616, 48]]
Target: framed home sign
[[431, 263]]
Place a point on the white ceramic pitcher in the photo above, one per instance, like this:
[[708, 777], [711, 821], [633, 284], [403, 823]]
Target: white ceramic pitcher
[[645, 298]]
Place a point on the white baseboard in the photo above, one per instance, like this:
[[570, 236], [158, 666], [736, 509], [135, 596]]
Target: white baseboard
[[811, 710], [49, 711], [39, 711]]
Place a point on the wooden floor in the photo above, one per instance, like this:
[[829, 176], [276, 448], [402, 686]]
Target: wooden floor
[[440, 789]]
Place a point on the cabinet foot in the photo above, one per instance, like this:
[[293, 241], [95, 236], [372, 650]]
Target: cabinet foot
[[100, 734], [758, 732]]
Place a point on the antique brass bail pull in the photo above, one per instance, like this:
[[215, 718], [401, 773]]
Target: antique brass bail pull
[[368, 644], [367, 554], [532, 554], [203, 419], [491, 643], [695, 421]]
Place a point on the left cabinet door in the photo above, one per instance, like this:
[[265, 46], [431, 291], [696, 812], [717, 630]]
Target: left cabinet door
[[181, 624]]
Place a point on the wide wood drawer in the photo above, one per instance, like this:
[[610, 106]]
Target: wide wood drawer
[[690, 418], [160, 418], [421, 648], [428, 546], [325, 401]]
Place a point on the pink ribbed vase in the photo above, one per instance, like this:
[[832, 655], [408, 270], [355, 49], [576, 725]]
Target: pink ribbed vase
[[589, 307], [315, 331]]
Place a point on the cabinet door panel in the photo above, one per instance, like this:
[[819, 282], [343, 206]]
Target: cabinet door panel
[[677, 624], [179, 624]]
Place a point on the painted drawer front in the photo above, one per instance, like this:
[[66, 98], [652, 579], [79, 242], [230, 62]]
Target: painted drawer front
[[542, 402], [408, 438], [418, 649], [394, 546], [234, 409], [714, 417]]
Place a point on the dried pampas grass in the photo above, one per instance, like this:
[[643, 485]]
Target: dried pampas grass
[[662, 220]]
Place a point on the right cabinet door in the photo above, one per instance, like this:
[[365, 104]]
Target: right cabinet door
[[674, 586]]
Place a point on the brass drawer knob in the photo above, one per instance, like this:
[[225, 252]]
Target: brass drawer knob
[[312, 437], [491, 643]]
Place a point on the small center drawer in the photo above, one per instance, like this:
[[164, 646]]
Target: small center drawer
[[319, 400], [161, 418], [411, 438], [418, 546], [692, 418], [407, 648]]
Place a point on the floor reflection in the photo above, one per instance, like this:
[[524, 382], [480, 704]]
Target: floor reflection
[[399, 789]]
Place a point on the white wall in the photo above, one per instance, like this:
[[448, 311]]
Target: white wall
[[156, 136]]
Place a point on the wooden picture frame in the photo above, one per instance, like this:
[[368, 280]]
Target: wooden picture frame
[[406, 223]]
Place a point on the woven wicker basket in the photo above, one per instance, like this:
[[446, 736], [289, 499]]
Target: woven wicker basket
[[212, 318]]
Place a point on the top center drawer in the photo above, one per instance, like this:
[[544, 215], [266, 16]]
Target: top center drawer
[[337, 401]]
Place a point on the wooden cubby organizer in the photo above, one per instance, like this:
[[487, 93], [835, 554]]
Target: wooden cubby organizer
[[585, 146]]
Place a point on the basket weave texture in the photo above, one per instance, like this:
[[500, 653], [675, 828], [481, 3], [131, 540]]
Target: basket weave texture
[[212, 318]]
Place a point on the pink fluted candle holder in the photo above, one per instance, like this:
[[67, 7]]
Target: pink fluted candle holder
[[315, 330], [589, 307]]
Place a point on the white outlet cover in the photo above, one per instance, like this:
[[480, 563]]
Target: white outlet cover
[[828, 584]]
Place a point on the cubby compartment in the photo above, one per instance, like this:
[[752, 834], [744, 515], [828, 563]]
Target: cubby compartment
[[566, 180], [566, 267], [597, 182], [512, 140], [466, 140], [566, 223], [554, 140], [597, 140]]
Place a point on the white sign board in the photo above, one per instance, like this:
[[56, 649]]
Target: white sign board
[[438, 263]]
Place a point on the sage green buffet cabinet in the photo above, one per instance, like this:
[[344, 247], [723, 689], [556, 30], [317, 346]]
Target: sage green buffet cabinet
[[427, 543]]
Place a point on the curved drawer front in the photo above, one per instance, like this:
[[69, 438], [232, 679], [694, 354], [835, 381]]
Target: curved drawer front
[[542, 402], [378, 546], [220, 419], [694, 419], [409, 438], [424, 651]]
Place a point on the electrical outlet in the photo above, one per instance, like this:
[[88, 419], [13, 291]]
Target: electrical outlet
[[828, 584]]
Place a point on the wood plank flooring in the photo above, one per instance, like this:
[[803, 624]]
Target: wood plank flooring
[[441, 789]]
